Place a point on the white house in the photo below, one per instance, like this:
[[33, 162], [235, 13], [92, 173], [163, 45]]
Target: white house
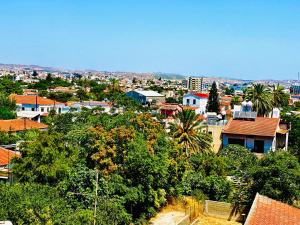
[[197, 100]]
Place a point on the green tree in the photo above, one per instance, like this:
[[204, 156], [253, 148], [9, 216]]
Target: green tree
[[9, 86], [261, 97], [277, 175], [280, 98], [32, 204], [46, 160], [229, 91], [82, 95], [188, 133], [213, 104], [7, 108], [235, 100]]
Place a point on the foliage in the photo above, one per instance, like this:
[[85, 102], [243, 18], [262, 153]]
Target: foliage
[[279, 97], [49, 82], [229, 91], [172, 100], [213, 104], [207, 176], [46, 160], [32, 204], [238, 159], [277, 175], [261, 97], [235, 100], [188, 133], [7, 108], [60, 96], [8, 86], [294, 134]]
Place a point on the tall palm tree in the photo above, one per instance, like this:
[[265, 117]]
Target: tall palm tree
[[280, 98], [188, 133], [261, 97]]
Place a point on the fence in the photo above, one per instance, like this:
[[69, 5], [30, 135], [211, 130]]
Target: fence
[[224, 210]]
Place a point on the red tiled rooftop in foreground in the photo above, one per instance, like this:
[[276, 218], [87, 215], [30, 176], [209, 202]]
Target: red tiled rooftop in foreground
[[20, 125], [266, 211], [6, 156], [261, 126]]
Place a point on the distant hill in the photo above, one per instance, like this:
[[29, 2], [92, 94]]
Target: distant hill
[[169, 76]]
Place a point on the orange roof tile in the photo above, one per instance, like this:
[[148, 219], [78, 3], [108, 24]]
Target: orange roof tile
[[261, 126], [20, 125], [30, 99], [266, 211], [6, 156]]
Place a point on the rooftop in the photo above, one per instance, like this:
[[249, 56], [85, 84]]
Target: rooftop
[[6, 156], [31, 99], [261, 126], [198, 94], [20, 125], [149, 93], [267, 211]]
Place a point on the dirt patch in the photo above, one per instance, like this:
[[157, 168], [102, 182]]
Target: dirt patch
[[207, 220], [170, 218], [173, 213]]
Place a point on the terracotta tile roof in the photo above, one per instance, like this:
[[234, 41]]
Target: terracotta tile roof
[[7, 155], [31, 99], [261, 126], [266, 211], [20, 125], [201, 95]]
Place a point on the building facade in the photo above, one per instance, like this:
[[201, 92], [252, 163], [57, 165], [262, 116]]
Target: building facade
[[197, 100], [146, 97]]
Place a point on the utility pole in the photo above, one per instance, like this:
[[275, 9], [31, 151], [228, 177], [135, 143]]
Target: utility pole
[[96, 196]]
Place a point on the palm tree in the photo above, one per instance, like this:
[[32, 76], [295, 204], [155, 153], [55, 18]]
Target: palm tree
[[114, 85], [188, 133], [235, 100], [280, 98], [261, 97]]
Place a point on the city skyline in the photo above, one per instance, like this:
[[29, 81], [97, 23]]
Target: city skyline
[[227, 39]]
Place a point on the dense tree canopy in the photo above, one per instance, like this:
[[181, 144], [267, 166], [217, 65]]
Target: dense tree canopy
[[7, 108], [213, 104]]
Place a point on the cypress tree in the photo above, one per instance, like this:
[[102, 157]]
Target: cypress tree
[[213, 99]]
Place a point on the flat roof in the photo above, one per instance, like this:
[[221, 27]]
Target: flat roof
[[149, 93]]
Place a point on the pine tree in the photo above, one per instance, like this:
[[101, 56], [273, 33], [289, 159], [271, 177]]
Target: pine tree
[[213, 99]]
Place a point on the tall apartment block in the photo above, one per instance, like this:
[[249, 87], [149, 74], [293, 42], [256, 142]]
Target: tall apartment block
[[195, 84]]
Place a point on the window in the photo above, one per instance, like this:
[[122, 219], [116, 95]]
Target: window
[[259, 146], [236, 141], [23, 108], [32, 109], [59, 110], [188, 101], [42, 109], [194, 101]]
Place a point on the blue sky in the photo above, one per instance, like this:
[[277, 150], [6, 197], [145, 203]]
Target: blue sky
[[245, 39]]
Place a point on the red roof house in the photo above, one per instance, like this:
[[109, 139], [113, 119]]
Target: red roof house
[[266, 211]]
